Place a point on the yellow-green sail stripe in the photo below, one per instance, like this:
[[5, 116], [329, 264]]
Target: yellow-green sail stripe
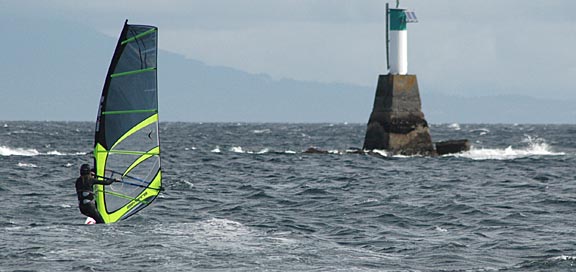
[[100, 156], [133, 72], [141, 125], [139, 36], [145, 156]]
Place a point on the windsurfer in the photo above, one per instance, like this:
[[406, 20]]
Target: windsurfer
[[85, 192]]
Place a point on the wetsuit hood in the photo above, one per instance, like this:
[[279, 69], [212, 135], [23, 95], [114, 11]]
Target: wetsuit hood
[[84, 169]]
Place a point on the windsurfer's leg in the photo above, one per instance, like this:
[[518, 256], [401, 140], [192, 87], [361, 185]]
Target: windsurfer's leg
[[91, 211], [97, 217]]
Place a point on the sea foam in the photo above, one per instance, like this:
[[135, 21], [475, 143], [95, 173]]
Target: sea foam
[[8, 151], [536, 147], [29, 152], [23, 164]]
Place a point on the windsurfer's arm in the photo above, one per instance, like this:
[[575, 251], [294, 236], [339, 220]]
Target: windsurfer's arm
[[105, 181]]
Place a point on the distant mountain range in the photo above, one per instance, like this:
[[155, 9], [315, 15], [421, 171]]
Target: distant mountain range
[[56, 72]]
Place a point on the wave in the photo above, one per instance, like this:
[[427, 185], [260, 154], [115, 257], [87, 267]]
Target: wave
[[454, 126], [382, 153], [7, 151], [57, 153], [31, 165], [239, 149], [481, 131], [210, 229], [563, 258], [260, 131], [532, 147], [23, 132], [558, 263], [30, 152], [536, 147], [311, 150]]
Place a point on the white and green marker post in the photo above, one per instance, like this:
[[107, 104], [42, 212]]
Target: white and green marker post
[[397, 39]]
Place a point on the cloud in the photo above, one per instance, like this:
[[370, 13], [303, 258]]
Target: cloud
[[320, 51], [458, 47], [515, 49]]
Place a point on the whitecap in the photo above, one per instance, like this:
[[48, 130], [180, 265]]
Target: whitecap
[[58, 153], [536, 147], [30, 165], [263, 151], [369, 200], [211, 229], [217, 223], [406, 156], [260, 131], [380, 152], [188, 183], [563, 258], [437, 228], [7, 151], [216, 150], [482, 131], [239, 149], [454, 126], [290, 152]]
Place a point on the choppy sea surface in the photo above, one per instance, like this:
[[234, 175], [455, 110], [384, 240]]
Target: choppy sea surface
[[244, 197]]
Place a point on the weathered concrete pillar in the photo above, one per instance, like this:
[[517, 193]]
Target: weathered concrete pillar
[[397, 123]]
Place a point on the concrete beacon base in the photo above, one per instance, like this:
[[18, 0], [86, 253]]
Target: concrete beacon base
[[397, 123]]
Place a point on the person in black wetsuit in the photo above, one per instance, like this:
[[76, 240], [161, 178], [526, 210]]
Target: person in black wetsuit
[[85, 192]]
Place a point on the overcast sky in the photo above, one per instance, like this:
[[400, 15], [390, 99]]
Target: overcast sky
[[464, 47]]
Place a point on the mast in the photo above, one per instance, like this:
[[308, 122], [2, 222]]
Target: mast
[[387, 39]]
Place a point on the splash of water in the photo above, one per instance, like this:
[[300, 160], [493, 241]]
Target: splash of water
[[534, 147]]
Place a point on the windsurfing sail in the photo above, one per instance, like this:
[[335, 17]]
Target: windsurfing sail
[[127, 145]]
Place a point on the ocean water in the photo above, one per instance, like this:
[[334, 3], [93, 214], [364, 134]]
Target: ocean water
[[244, 197]]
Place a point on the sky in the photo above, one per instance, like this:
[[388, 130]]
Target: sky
[[465, 47]]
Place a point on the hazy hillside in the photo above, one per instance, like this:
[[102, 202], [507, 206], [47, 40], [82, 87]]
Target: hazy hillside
[[54, 70]]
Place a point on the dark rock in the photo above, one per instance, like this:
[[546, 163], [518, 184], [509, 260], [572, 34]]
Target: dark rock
[[452, 146], [313, 150]]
